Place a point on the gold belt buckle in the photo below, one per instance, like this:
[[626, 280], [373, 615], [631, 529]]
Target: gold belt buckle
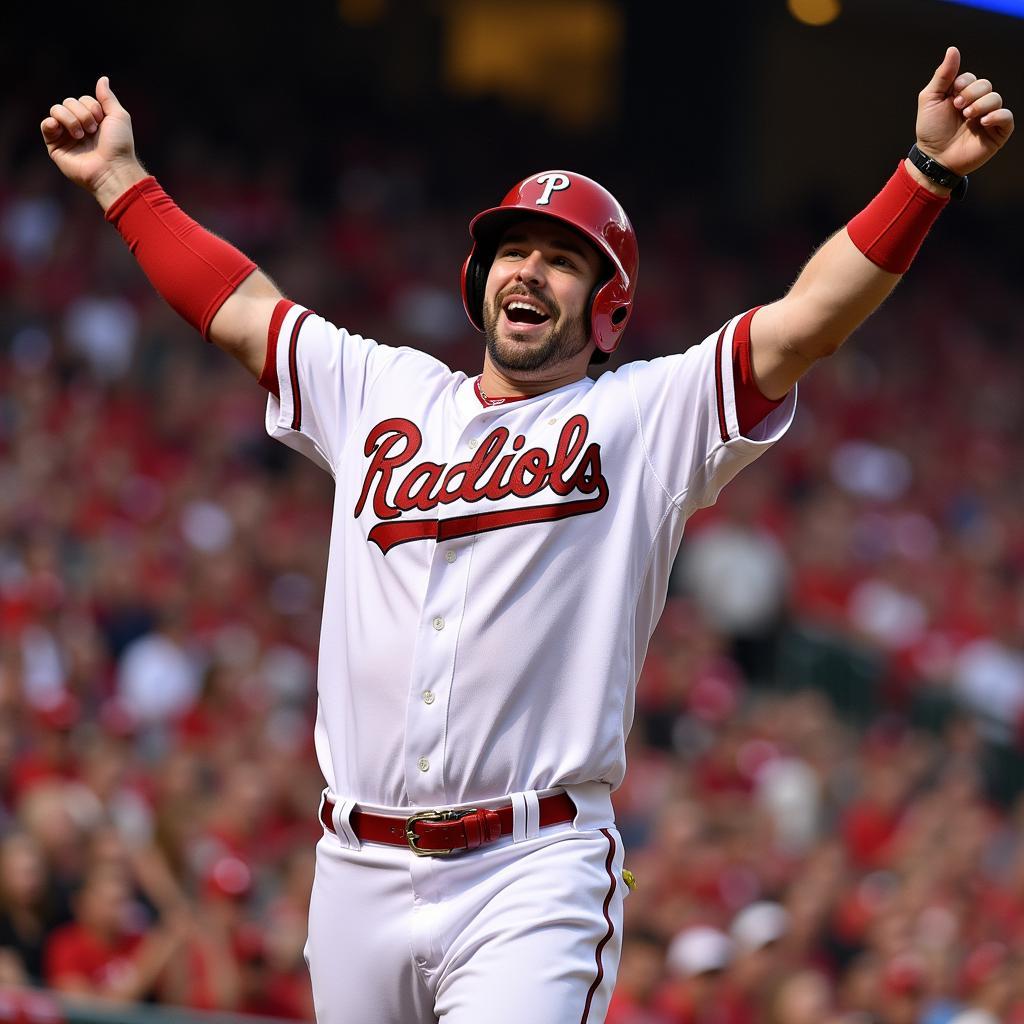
[[438, 816]]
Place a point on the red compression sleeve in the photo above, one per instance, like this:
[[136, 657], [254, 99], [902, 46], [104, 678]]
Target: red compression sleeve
[[751, 405], [891, 228], [194, 270]]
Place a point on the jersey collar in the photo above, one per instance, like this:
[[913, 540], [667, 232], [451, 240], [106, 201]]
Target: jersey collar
[[488, 402], [470, 404]]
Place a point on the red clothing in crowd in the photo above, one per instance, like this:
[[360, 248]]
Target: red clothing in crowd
[[624, 1009], [75, 951]]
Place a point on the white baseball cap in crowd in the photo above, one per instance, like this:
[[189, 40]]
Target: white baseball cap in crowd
[[757, 925], [698, 950]]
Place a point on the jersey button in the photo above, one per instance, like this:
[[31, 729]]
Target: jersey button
[[429, 697], [450, 556], [438, 623], [473, 442], [552, 421], [423, 764]]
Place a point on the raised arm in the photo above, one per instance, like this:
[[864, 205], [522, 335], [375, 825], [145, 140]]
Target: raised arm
[[210, 283], [961, 124]]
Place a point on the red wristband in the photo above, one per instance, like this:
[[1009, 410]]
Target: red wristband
[[194, 270], [891, 228]]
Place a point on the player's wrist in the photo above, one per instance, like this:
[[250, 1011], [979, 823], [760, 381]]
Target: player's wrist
[[924, 181], [933, 172], [115, 181]]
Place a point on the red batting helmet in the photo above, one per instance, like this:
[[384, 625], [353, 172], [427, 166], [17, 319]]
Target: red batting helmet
[[593, 212]]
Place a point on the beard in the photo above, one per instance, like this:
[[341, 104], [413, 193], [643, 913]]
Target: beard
[[562, 341]]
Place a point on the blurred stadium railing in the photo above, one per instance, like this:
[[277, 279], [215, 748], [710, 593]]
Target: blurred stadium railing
[[40, 1006]]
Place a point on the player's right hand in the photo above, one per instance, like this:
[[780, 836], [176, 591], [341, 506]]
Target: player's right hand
[[90, 138]]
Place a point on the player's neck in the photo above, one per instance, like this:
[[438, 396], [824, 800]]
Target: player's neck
[[498, 383]]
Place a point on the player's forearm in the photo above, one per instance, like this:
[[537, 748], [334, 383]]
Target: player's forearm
[[836, 292]]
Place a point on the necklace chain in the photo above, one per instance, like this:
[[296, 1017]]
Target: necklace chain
[[485, 399]]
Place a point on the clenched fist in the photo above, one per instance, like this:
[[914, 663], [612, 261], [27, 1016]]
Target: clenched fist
[[90, 140], [961, 119]]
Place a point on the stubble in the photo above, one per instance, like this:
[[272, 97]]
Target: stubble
[[516, 354]]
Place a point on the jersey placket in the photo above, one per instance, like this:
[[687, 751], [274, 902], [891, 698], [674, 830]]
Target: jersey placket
[[441, 617]]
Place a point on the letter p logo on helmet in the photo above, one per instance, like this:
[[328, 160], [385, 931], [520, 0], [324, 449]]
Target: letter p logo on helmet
[[551, 183]]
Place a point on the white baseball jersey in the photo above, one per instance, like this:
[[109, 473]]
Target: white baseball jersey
[[495, 571]]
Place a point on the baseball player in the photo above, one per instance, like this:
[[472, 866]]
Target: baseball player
[[500, 551]]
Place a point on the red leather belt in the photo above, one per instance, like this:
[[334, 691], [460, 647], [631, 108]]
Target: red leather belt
[[439, 833]]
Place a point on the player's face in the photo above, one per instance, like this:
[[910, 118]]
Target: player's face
[[535, 302]]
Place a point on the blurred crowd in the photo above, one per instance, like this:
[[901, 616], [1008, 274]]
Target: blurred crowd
[[822, 808]]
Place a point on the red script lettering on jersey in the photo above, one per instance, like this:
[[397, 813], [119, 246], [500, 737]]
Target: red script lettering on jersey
[[497, 470]]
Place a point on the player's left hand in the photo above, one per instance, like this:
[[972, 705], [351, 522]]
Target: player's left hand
[[961, 120]]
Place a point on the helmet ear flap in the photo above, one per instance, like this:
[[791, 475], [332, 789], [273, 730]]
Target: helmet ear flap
[[474, 286]]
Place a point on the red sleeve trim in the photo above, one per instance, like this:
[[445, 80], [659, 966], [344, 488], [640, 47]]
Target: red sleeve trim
[[268, 378], [723, 429], [751, 405], [293, 369]]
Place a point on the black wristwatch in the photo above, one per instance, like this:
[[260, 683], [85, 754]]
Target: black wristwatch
[[938, 173]]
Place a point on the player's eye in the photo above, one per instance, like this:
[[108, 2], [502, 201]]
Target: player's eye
[[506, 253]]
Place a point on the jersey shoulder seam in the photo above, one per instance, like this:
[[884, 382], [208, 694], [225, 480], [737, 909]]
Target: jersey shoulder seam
[[643, 445]]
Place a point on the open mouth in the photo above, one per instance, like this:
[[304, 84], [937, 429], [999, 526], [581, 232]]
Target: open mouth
[[524, 313]]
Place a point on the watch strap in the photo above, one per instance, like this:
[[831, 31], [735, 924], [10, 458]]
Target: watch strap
[[938, 173]]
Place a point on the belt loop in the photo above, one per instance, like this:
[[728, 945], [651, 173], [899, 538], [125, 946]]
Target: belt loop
[[532, 814], [518, 817], [344, 830], [525, 816]]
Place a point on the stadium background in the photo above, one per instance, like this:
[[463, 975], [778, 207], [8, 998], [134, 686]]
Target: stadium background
[[832, 713]]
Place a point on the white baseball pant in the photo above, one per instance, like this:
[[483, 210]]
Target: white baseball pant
[[515, 931]]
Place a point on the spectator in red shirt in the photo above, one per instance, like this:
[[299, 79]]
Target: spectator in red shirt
[[991, 985], [803, 997], [51, 754], [904, 989], [286, 987], [207, 973], [100, 954], [640, 974], [697, 992], [758, 933]]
